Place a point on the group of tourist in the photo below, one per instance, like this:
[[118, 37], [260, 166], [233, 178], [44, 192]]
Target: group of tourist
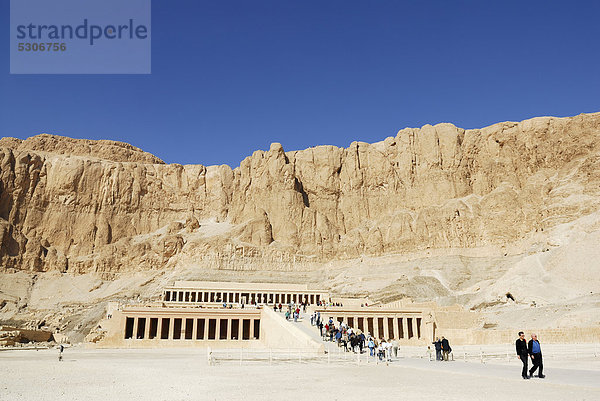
[[354, 339], [292, 312], [533, 350], [442, 349]]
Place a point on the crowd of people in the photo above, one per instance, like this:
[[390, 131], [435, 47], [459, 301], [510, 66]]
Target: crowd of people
[[354, 340], [292, 310]]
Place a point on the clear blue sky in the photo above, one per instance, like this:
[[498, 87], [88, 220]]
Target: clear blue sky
[[230, 77]]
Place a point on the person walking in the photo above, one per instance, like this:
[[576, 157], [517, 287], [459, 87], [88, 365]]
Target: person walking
[[371, 345], [395, 348], [382, 349], [445, 348], [522, 353], [438, 349], [60, 352], [535, 351], [361, 341]]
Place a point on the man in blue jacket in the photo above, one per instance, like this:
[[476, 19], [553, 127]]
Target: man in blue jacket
[[535, 351]]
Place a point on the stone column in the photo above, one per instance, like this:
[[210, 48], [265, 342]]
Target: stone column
[[206, 320], [414, 325], [171, 328], [194, 329], [147, 328], [218, 329], [396, 329], [386, 329], [405, 327], [251, 328], [135, 327], [376, 327], [228, 329], [159, 328]]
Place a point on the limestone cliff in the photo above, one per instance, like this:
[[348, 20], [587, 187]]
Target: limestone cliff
[[104, 206]]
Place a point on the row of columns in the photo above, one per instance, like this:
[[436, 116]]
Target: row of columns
[[400, 327], [247, 328], [237, 297]]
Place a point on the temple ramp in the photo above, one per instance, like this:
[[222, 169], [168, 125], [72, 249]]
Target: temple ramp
[[280, 333]]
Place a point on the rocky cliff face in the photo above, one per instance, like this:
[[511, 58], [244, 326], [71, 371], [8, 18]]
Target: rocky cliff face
[[104, 206]]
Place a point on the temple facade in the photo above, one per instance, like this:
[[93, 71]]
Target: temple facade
[[241, 315]]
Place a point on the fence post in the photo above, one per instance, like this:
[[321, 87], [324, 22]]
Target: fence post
[[209, 356], [481, 356], [270, 356]]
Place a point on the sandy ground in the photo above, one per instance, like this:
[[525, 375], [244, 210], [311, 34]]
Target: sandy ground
[[179, 374]]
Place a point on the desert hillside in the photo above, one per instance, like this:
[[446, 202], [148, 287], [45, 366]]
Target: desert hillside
[[434, 213]]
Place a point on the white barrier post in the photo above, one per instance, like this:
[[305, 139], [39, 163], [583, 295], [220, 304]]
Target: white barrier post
[[270, 356], [209, 356]]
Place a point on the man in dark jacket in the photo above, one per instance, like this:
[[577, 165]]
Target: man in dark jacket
[[522, 353], [445, 348], [535, 351], [438, 349]]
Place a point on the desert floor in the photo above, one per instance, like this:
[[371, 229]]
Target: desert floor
[[184, 374]]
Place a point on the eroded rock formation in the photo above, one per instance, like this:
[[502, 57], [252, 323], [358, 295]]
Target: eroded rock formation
[[87, 206]]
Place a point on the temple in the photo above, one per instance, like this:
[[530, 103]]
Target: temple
[[242, 315]]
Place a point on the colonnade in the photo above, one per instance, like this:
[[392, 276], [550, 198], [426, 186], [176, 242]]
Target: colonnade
[[238, 297], [192, 328]]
